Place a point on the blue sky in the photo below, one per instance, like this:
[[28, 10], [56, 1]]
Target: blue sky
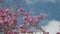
[[50, 7]]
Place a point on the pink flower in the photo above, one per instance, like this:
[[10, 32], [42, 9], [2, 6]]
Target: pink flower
[[4, 14], [58, 33], [0, 14], [5, 10], [9, 18], [14, 32], [1, 21], [23, 26], [41, 16], [27, 14], [6, 19], [29, 31], [1, 0], [20, 10]]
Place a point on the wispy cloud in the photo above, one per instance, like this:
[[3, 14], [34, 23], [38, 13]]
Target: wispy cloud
[[36, 1], [31, 1]]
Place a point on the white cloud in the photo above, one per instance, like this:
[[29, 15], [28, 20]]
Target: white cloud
[[36, 1], [52, 27]]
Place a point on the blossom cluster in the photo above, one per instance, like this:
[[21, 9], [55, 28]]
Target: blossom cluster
[[8, 22]]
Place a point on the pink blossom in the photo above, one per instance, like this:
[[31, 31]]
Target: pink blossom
[[23, 26], [41, 16], [58, 33], [29, 31], [1, 21], [4, 12], [27, 14], [20, 10], [9, 18], [33, 20], [1, 0]]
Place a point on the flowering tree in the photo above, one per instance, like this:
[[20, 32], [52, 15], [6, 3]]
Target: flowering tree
[[8, 22]]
